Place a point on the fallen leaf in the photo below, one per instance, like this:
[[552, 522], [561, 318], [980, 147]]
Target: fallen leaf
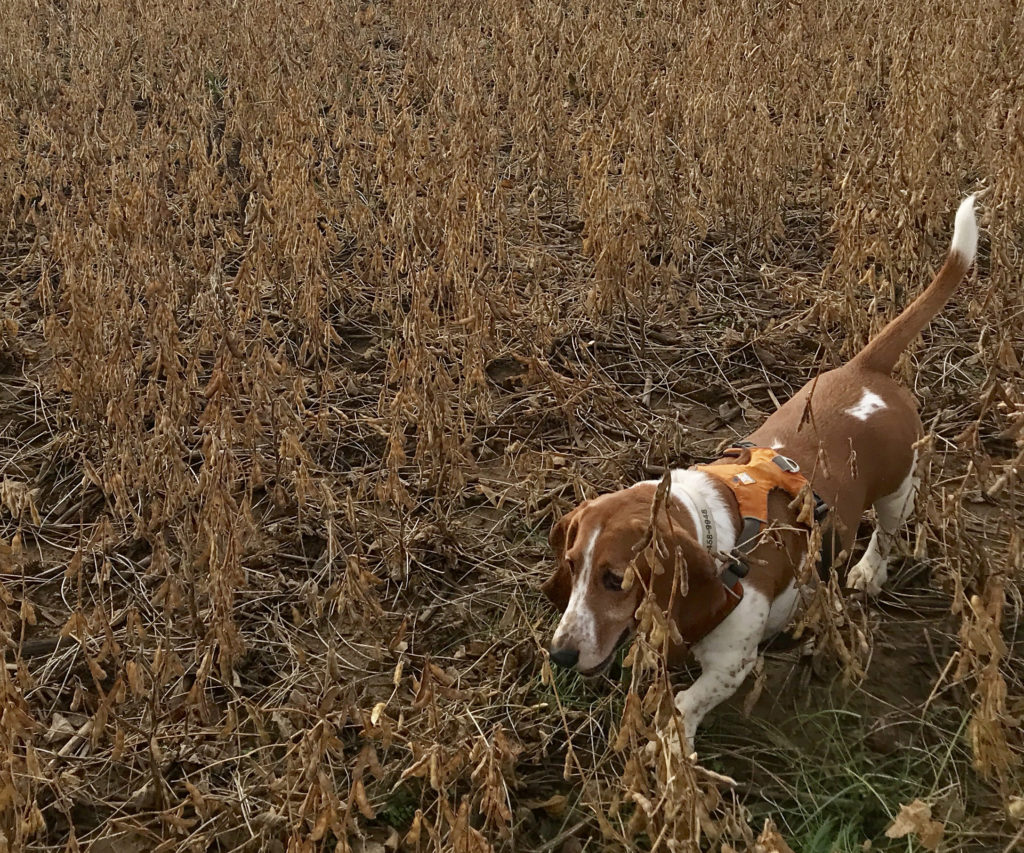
[[1015, 808], [553, 805], [916, 818], [769, 841], [60, 727]]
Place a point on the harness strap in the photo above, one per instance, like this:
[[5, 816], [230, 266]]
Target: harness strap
[[751, 482], [737, 569], [787, 464], [820, 512], [753, 501]]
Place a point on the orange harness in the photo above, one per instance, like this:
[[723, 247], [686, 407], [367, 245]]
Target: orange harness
[[751, 481], [756, 472]]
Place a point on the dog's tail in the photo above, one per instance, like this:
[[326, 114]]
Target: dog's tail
[[881, 353]]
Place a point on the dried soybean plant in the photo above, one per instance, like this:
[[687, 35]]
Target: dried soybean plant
[[676, 803], [314, 316]]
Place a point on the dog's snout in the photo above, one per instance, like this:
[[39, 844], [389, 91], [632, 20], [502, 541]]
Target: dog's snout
[[565, 656]]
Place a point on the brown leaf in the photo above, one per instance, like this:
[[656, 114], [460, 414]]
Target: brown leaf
[[916, 818], [769, 841], [755, 691], [359, 794], [553, 805]]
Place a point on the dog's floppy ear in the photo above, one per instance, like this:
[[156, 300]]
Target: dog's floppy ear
[[694, 613], [558, 587], [558, 534]]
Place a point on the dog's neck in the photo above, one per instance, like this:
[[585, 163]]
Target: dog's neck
[[716, 520]]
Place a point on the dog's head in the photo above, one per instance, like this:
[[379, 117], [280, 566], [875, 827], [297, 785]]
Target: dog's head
[[594, 545]]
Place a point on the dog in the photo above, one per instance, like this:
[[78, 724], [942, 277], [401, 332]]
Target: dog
[[848, 436]]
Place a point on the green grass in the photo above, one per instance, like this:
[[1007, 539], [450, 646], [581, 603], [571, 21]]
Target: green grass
[[828, 791], [577, 693], [400, 807]]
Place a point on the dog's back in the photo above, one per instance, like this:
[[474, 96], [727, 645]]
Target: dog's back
[[852, 430]]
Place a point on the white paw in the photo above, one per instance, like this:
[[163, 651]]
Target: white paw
[[690, 720], [678, 749], [867, 576], [672, 747]]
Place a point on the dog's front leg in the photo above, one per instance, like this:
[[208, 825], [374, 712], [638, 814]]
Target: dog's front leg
[[716, 684], [726, 657]]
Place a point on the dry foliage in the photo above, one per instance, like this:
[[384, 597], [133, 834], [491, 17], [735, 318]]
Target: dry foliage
[[314, 315]]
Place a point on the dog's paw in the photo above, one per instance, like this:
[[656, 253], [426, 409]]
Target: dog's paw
[[867, 577], [672, 747]]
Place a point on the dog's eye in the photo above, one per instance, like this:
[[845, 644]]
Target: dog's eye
[[613, 581]]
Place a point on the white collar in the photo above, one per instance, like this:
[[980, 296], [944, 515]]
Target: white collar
[[706, 527], [713, 517]]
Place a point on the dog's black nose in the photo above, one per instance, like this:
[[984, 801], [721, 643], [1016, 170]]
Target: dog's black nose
[[565, 656]]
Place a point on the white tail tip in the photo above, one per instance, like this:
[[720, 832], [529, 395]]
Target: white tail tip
[[965, 232]]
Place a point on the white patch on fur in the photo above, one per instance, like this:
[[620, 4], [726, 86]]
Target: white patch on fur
[[868, 404], [965, 231], [578, 625], [688, 487], [783, 607], [776, 444], [872, 571]]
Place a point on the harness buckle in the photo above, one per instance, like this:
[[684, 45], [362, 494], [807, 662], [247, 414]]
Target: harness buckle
[[739, 568], [731, 575], [786, 464], [736, 569]]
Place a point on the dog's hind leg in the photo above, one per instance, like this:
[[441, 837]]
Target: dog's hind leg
[[892, 511]]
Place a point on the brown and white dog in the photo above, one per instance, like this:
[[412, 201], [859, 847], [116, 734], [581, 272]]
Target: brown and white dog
[[851, 430]]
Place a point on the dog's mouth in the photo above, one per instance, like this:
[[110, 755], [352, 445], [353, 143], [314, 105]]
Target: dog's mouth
[[604, 665]]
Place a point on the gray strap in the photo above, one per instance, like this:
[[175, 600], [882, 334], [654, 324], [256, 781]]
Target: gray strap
[[751, 528], [732, 574], [737, 569]]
